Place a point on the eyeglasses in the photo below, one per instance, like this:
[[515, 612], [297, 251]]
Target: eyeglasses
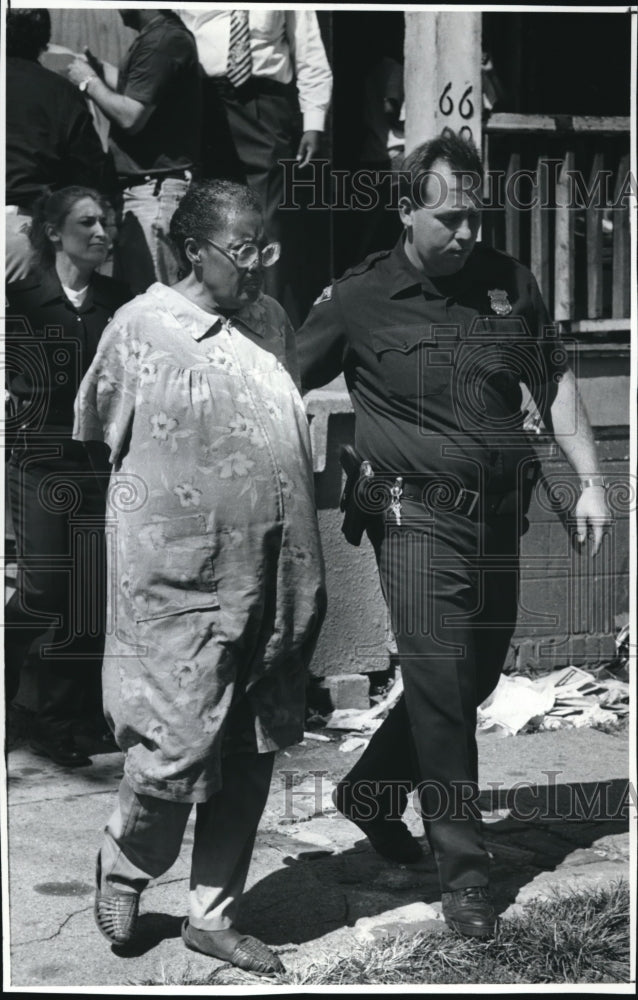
[[249, 254]]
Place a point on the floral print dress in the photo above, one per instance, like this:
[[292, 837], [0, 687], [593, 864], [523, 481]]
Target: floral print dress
[[216, 589]]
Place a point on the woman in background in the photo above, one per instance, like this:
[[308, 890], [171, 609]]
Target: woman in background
[[54, 322]]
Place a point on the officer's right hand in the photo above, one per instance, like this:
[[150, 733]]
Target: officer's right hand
[[592, 516]]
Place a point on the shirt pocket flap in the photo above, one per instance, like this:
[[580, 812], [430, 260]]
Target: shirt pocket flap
[[399, 338], [411, 362]]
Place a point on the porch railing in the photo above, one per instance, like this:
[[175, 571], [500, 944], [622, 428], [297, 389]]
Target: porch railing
[[559, 197]]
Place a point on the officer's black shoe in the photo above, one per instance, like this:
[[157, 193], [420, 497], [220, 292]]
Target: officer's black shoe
[[61, 749], [389, 837], [469, 911]]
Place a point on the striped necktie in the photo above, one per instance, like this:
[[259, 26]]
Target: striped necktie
[[239, 58]]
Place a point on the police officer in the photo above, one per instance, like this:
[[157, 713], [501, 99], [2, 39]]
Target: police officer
[[435, 338]]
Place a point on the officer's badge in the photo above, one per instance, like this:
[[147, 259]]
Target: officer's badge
[[325, 296], [499, 301]]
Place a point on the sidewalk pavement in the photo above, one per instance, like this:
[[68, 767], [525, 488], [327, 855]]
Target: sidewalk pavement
[[557, 819]]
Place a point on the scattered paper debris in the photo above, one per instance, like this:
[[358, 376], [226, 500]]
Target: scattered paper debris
[[567, 697], [352, 743], [622, 647], [515, 701]]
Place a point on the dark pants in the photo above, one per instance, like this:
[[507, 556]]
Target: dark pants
[[58, 517], [452, 589], [247, 131]]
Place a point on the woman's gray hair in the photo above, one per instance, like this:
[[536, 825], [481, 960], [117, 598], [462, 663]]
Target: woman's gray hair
[[206, 209]]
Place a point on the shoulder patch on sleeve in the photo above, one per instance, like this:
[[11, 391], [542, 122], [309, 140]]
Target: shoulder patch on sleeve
[[325, 295]]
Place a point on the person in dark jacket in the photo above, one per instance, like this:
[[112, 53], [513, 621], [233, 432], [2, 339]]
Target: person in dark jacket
[[51, 141], [54, 322]]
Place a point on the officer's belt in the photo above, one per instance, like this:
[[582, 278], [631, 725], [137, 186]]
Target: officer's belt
[[464, 502]]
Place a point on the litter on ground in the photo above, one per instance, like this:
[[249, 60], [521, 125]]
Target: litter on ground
[[567, 697]]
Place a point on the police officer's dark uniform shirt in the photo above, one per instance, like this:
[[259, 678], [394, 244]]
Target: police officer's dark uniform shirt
[[160, 69], [433, 370], [50, 345]]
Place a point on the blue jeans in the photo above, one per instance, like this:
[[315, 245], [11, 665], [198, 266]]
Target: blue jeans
[[143, 252]]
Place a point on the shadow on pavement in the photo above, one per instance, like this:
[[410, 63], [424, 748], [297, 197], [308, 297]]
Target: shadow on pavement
[[312, 896], [151, 930]]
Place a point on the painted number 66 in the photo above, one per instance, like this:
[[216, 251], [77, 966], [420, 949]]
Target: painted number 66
[[446, 104]]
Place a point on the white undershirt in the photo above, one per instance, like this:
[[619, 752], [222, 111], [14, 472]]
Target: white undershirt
[[76, 298]]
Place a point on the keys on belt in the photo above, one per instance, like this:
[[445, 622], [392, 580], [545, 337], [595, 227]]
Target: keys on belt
[[436, 493], [396, 492]]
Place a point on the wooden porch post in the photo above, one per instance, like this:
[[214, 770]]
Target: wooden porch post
[[442, 74]]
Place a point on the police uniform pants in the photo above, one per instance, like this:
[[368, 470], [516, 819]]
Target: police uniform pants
[[452, 590], [57, 510], [144, 835]]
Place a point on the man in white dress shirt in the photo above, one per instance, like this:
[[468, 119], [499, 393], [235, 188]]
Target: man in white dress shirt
[[267, 87]]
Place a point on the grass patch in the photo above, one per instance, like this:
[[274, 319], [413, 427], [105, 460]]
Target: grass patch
[[579, 938]]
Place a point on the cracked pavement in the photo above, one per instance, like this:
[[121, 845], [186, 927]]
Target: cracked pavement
[[557, 819]]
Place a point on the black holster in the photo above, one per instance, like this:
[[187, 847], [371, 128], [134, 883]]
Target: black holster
[[354, 521]]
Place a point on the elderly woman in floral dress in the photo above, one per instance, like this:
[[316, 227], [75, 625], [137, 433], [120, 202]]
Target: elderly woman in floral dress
[[216, 572]]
